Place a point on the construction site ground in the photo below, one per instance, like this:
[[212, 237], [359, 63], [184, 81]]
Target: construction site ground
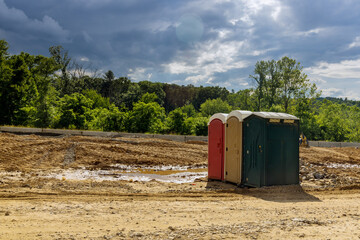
[[73, 187]]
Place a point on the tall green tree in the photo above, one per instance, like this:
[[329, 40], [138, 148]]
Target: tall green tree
[[332, 122], [304, 110], [124, 92], [98, 100], [353, 124], [243, 99], [75, 111], [147, 117], [63, 60], [205, 93], [272, 83], [24, 90], [4, 47], [200, 127], [156, 88], [5, 83], [277, 83], [294, 83], [260, 71], [210, 107], [108, 119], [189, 110], [43, 70], [129, 97], [19, 89], [178, 96], [175, 122], [149, 97], [106, 89]]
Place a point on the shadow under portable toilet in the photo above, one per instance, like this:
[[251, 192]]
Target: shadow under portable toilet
[[234, 143], [216, 144]]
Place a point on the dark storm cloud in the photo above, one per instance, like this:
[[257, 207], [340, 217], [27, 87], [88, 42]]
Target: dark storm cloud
[[16, 22], [104, 30], [142, 33], [324, 13], [318, 30], [220, 47]]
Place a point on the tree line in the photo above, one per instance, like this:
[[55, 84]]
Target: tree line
[[58, 92]]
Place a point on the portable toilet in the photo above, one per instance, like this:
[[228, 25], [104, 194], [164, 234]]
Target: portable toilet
[[271, 149], [234, 144], [216, 143]]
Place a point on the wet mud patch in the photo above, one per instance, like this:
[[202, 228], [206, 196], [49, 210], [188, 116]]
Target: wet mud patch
[[120, 172]]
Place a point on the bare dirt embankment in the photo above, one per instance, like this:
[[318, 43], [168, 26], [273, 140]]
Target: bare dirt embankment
[[35, 205]]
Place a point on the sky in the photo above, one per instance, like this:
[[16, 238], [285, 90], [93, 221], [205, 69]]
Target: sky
[[199, 42]]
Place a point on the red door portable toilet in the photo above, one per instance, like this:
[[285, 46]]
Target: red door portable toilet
[[216, 145]]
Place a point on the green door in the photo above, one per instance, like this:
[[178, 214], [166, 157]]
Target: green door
[[292, 155], [253, 154], [282, 164], [275, 163]]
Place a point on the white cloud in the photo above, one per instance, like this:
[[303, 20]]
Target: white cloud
[[355, 43], [139, 74], [223, 33], [260, 52], [351, 95], [331, 92], [238, 82], [84, 59], [317, 80], [311, 32], [341, 70], [249, 10], [159, 26], [208, 59], [340, 93], [225, 84], [241, 11], [336, 79]]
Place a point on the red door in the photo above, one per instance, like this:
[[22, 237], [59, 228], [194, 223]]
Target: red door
[[216, 150]]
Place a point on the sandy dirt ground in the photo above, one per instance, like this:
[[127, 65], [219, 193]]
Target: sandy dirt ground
[[36, 204]]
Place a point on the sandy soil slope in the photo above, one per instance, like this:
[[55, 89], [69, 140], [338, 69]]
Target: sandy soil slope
[[325, 206]]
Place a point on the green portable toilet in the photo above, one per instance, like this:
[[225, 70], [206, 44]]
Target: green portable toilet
[[270, 149], [233, 145]]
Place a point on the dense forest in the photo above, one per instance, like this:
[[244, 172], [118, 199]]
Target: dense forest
[[58, 92]]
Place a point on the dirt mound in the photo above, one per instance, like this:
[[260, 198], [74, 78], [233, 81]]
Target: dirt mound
[[330, 167], [26, 153], [29, 153], [323, 156]]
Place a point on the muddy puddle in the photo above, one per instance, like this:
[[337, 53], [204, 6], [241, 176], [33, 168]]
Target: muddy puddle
[[173, 174], [342, 165]]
